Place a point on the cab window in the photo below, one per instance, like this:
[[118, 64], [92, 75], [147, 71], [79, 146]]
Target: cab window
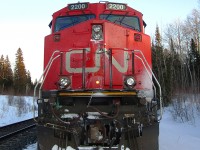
[[69, 21], [131, 22]]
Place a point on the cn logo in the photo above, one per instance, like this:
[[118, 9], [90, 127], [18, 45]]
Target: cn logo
[[97, 65]]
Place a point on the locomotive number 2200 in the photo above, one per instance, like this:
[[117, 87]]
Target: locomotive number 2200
[[116, 6], [78, 6]]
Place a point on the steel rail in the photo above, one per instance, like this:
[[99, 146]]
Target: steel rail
[[16, 132], [9, 134]]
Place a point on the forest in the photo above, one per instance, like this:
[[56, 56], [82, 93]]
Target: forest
[[175, 55], [15, 81]]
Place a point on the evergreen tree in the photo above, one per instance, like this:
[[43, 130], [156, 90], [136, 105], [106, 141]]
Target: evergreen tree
[[20, 78], [158, 40], [161, 68], [194, 61], [2, 64], [8, 74], [29, 84], [194, 56]]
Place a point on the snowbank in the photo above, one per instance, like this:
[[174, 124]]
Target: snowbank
[[15, 109]]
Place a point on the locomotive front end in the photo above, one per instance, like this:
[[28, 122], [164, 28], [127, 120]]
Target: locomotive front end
[[97, 90]]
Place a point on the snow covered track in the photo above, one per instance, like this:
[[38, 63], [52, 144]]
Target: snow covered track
[[17, 134]]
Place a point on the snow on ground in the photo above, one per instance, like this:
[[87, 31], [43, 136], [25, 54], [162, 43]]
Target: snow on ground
[[31, 147], [173, 135], [15, 109], [178, 136]]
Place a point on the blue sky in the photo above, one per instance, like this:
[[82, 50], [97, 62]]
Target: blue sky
[[24, 24]]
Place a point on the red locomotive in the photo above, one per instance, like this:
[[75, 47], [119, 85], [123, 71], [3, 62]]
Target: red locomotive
[[97, 90]]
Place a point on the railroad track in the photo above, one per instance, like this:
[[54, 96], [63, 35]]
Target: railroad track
[[18, 135]]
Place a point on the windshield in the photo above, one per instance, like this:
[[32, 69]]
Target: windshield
[[125, 21], [68, 21]]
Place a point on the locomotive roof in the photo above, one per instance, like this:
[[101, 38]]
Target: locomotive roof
[[96, 8]]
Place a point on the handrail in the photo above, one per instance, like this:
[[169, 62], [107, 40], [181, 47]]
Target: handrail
[[160, 90], [83, 68], [83, 64], [149, 75], [149, 69], [45, 72], [161, 109], [110, 66]]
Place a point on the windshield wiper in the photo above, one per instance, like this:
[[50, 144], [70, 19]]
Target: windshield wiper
[[123, 17], [108, 15]]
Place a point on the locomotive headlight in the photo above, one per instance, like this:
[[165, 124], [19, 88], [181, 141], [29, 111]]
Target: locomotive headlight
[[97, 33], [130, 81], [64, 82], [97, 37], [97, 28]]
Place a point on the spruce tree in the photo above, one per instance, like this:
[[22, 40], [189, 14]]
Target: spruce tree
[[160, 66], [2, 61], [29, 84], [8, 74], [20, 78], [194, 61], [158, 39]]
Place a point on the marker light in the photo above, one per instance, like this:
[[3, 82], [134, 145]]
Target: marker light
[[56, 37], [138, 37]]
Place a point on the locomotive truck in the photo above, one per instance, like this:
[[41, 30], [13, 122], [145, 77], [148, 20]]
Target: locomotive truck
[[98, 90]]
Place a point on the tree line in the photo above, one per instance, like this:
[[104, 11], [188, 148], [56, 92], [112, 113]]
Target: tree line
[[16, 81], [176, 57]]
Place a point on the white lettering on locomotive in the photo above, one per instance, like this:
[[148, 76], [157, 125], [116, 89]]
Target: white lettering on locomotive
[[79, 70], [117, 65], [96, 68]]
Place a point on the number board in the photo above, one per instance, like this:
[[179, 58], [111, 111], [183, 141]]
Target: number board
[[78, 6], [116, 6]]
